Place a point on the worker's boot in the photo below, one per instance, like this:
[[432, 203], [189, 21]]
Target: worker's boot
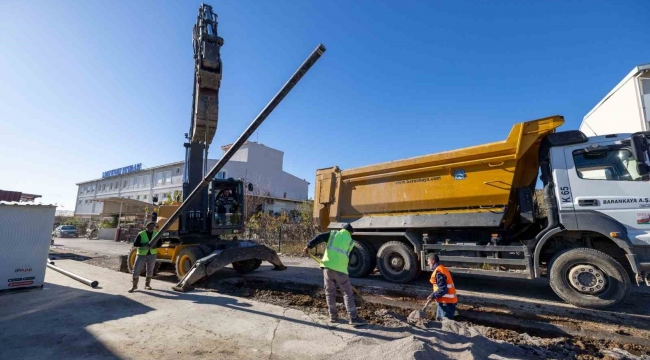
[[147, 284], [135, 285], [357, 321]]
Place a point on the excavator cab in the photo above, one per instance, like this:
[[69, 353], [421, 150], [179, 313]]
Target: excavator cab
[[227, 206]]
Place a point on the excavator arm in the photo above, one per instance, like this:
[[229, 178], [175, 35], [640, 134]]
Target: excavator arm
[[207, 76]]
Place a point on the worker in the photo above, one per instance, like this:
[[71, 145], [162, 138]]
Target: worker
[[146, 256], [225, 204], [335, 271], [444, 291]]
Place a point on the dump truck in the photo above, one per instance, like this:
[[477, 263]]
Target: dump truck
[[477, 208], [626, 108]]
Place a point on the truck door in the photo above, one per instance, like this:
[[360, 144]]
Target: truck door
[[605, 180]]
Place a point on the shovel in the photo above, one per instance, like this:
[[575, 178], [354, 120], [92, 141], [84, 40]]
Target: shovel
[[357, 292], [421, 314]]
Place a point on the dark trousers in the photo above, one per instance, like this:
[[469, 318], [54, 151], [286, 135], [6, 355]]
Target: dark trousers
[[445, 311]]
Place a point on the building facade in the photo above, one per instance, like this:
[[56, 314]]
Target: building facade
[[253, 162]]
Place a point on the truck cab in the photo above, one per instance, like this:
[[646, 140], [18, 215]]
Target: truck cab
[[602, 185]]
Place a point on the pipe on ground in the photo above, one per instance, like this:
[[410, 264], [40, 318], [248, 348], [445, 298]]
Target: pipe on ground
[[92, 283]]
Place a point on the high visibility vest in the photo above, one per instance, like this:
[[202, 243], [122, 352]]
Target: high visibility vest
[[143, 240], [450, 296], [337, 253]]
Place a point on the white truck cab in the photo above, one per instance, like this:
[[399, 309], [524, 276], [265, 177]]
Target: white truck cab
[[601, 185]]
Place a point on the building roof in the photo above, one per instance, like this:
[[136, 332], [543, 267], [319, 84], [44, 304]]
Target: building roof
[[6, 195], [125, 201], [636, 71], [25, 203], [226, 147]]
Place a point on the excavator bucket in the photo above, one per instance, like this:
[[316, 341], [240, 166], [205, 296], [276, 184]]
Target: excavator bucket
[[230, 253]]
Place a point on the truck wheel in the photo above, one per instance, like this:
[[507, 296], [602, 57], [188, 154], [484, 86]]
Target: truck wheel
[[362, 260], [131, 263], [397, 262], [589, 278], [246, 266], [186, 259]]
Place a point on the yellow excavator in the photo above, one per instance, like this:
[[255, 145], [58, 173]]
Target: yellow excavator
[[191, 228]]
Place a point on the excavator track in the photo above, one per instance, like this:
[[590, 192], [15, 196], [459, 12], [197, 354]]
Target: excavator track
[[207, 76]]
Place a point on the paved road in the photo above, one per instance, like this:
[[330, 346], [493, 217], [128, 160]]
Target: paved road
[[97, 247], [68, 320]]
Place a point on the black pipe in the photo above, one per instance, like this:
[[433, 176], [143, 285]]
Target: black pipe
[[92, 283], [286, 88]]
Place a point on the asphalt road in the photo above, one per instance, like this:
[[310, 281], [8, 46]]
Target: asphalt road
[[98, 247]]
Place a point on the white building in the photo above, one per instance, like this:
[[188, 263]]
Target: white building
[[256, 163]]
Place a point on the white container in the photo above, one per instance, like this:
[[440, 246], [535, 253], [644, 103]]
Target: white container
[[25, 234], [625, 109]]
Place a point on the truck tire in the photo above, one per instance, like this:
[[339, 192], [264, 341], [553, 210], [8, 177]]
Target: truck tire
[[397, 262], [186, 259], [362, 260], [131, 263], [246, 266], [589, 278]]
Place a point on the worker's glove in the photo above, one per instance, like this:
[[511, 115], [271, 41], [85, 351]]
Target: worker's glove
[[305, 251]]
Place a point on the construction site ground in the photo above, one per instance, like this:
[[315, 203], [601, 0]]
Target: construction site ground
[[513, 315]]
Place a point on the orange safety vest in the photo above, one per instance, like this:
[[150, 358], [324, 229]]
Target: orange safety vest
[[450, 296]]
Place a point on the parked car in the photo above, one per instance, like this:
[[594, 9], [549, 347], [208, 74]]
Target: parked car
[[66, 231]]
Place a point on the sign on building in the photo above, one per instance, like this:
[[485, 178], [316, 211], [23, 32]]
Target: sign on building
[[121, 171]]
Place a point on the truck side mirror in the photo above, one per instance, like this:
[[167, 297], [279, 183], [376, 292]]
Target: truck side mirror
[[641, 150], [250, 187]]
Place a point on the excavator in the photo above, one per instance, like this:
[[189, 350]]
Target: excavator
[[191, 229]]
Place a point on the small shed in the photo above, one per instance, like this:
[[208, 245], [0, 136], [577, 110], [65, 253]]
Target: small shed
[[25, 233]]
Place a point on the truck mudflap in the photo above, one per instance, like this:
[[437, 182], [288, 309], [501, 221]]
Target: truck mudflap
[[220, 258]]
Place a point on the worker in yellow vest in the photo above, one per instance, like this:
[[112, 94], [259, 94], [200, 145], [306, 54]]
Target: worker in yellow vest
[[146, 256], [444, 291], [335, 271]]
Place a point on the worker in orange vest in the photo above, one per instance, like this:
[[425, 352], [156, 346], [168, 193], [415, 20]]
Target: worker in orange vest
[[444, 291]]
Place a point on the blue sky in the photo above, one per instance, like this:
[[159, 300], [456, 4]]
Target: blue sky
[[86, 87]]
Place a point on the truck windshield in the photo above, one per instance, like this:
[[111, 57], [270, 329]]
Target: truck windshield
[[611, 164]]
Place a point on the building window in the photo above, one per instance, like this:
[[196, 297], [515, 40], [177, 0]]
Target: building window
[[221, 175], [178, 170], [137, 197], [124, 184], [144, 197], [159, 178], [79, 202], [168, 177]]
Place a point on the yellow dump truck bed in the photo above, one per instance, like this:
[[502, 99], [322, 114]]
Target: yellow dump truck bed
[[474, 183]]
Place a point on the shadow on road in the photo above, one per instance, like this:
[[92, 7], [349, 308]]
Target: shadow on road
[[51, 323]]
